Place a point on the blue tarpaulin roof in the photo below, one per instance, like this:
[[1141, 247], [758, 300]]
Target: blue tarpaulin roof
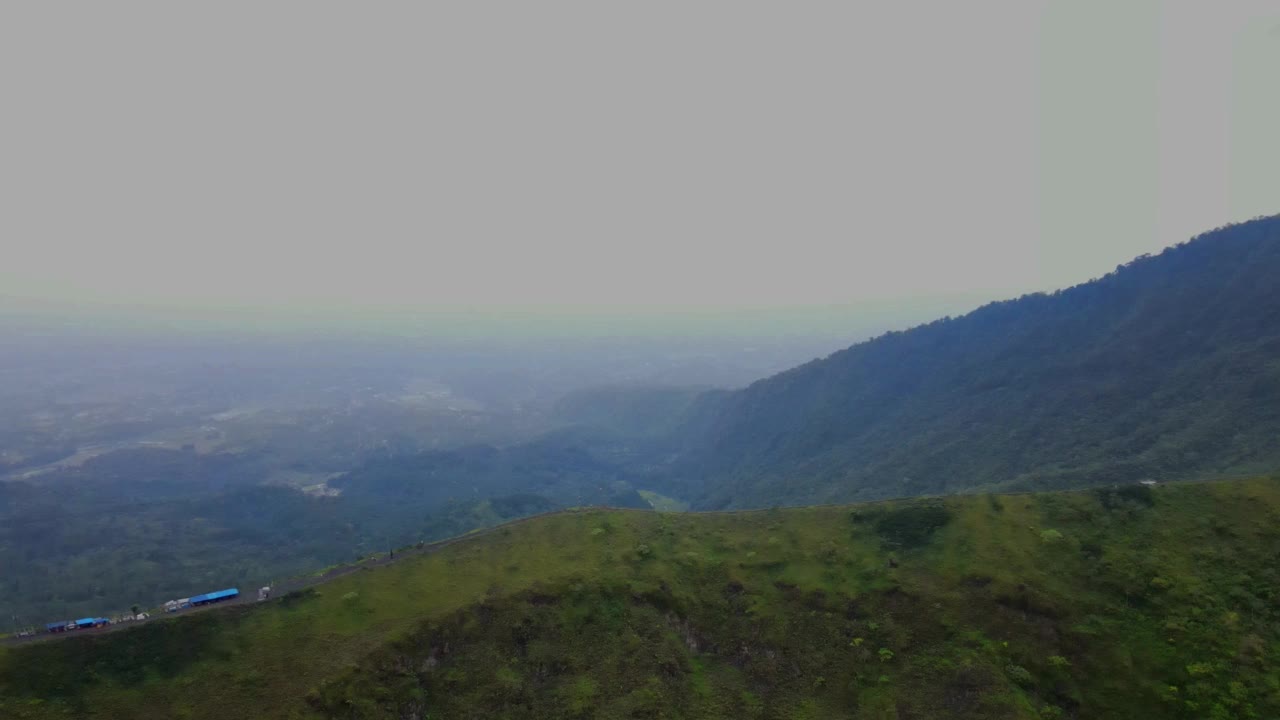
[[86, 621], [217, 595]]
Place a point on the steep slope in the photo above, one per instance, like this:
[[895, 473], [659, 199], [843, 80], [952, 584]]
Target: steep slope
[[1107, 604], [1168, 367]]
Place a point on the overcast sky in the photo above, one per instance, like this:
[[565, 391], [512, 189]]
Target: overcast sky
[[589, 155]]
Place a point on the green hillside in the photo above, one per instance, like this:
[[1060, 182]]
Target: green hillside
[[1167, 368], [1118, 603]]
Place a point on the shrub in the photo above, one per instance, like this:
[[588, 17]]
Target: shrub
[[1019, 675], [508, 680], [580, 694], [689, 559], [294, 597], [1199, 669], [1131, 496], [913, 525]]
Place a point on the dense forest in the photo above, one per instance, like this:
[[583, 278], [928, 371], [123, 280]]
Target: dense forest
[[1168, 367]]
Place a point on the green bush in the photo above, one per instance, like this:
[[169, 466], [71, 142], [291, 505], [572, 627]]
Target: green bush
[[1050, 536], [911, 526], [1126, 496], [1019, 675]]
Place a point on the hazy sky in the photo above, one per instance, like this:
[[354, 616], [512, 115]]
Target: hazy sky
[[584, 155]]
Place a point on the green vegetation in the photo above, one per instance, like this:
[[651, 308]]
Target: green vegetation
[[1163, 602], [627, 411], [1164, 369], [146, 526], [662, 503]]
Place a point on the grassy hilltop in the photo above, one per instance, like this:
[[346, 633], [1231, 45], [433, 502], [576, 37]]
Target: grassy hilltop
[[1121, 603]]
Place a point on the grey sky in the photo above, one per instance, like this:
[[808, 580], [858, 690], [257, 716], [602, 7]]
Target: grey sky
[[586, 155]]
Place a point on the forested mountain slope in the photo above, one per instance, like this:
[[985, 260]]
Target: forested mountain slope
[[1168, 367], [1114, 603]]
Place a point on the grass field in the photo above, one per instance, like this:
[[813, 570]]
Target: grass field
[[1124, 603]]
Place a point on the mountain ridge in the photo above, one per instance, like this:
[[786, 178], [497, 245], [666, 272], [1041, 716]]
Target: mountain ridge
[[1164, 368]]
